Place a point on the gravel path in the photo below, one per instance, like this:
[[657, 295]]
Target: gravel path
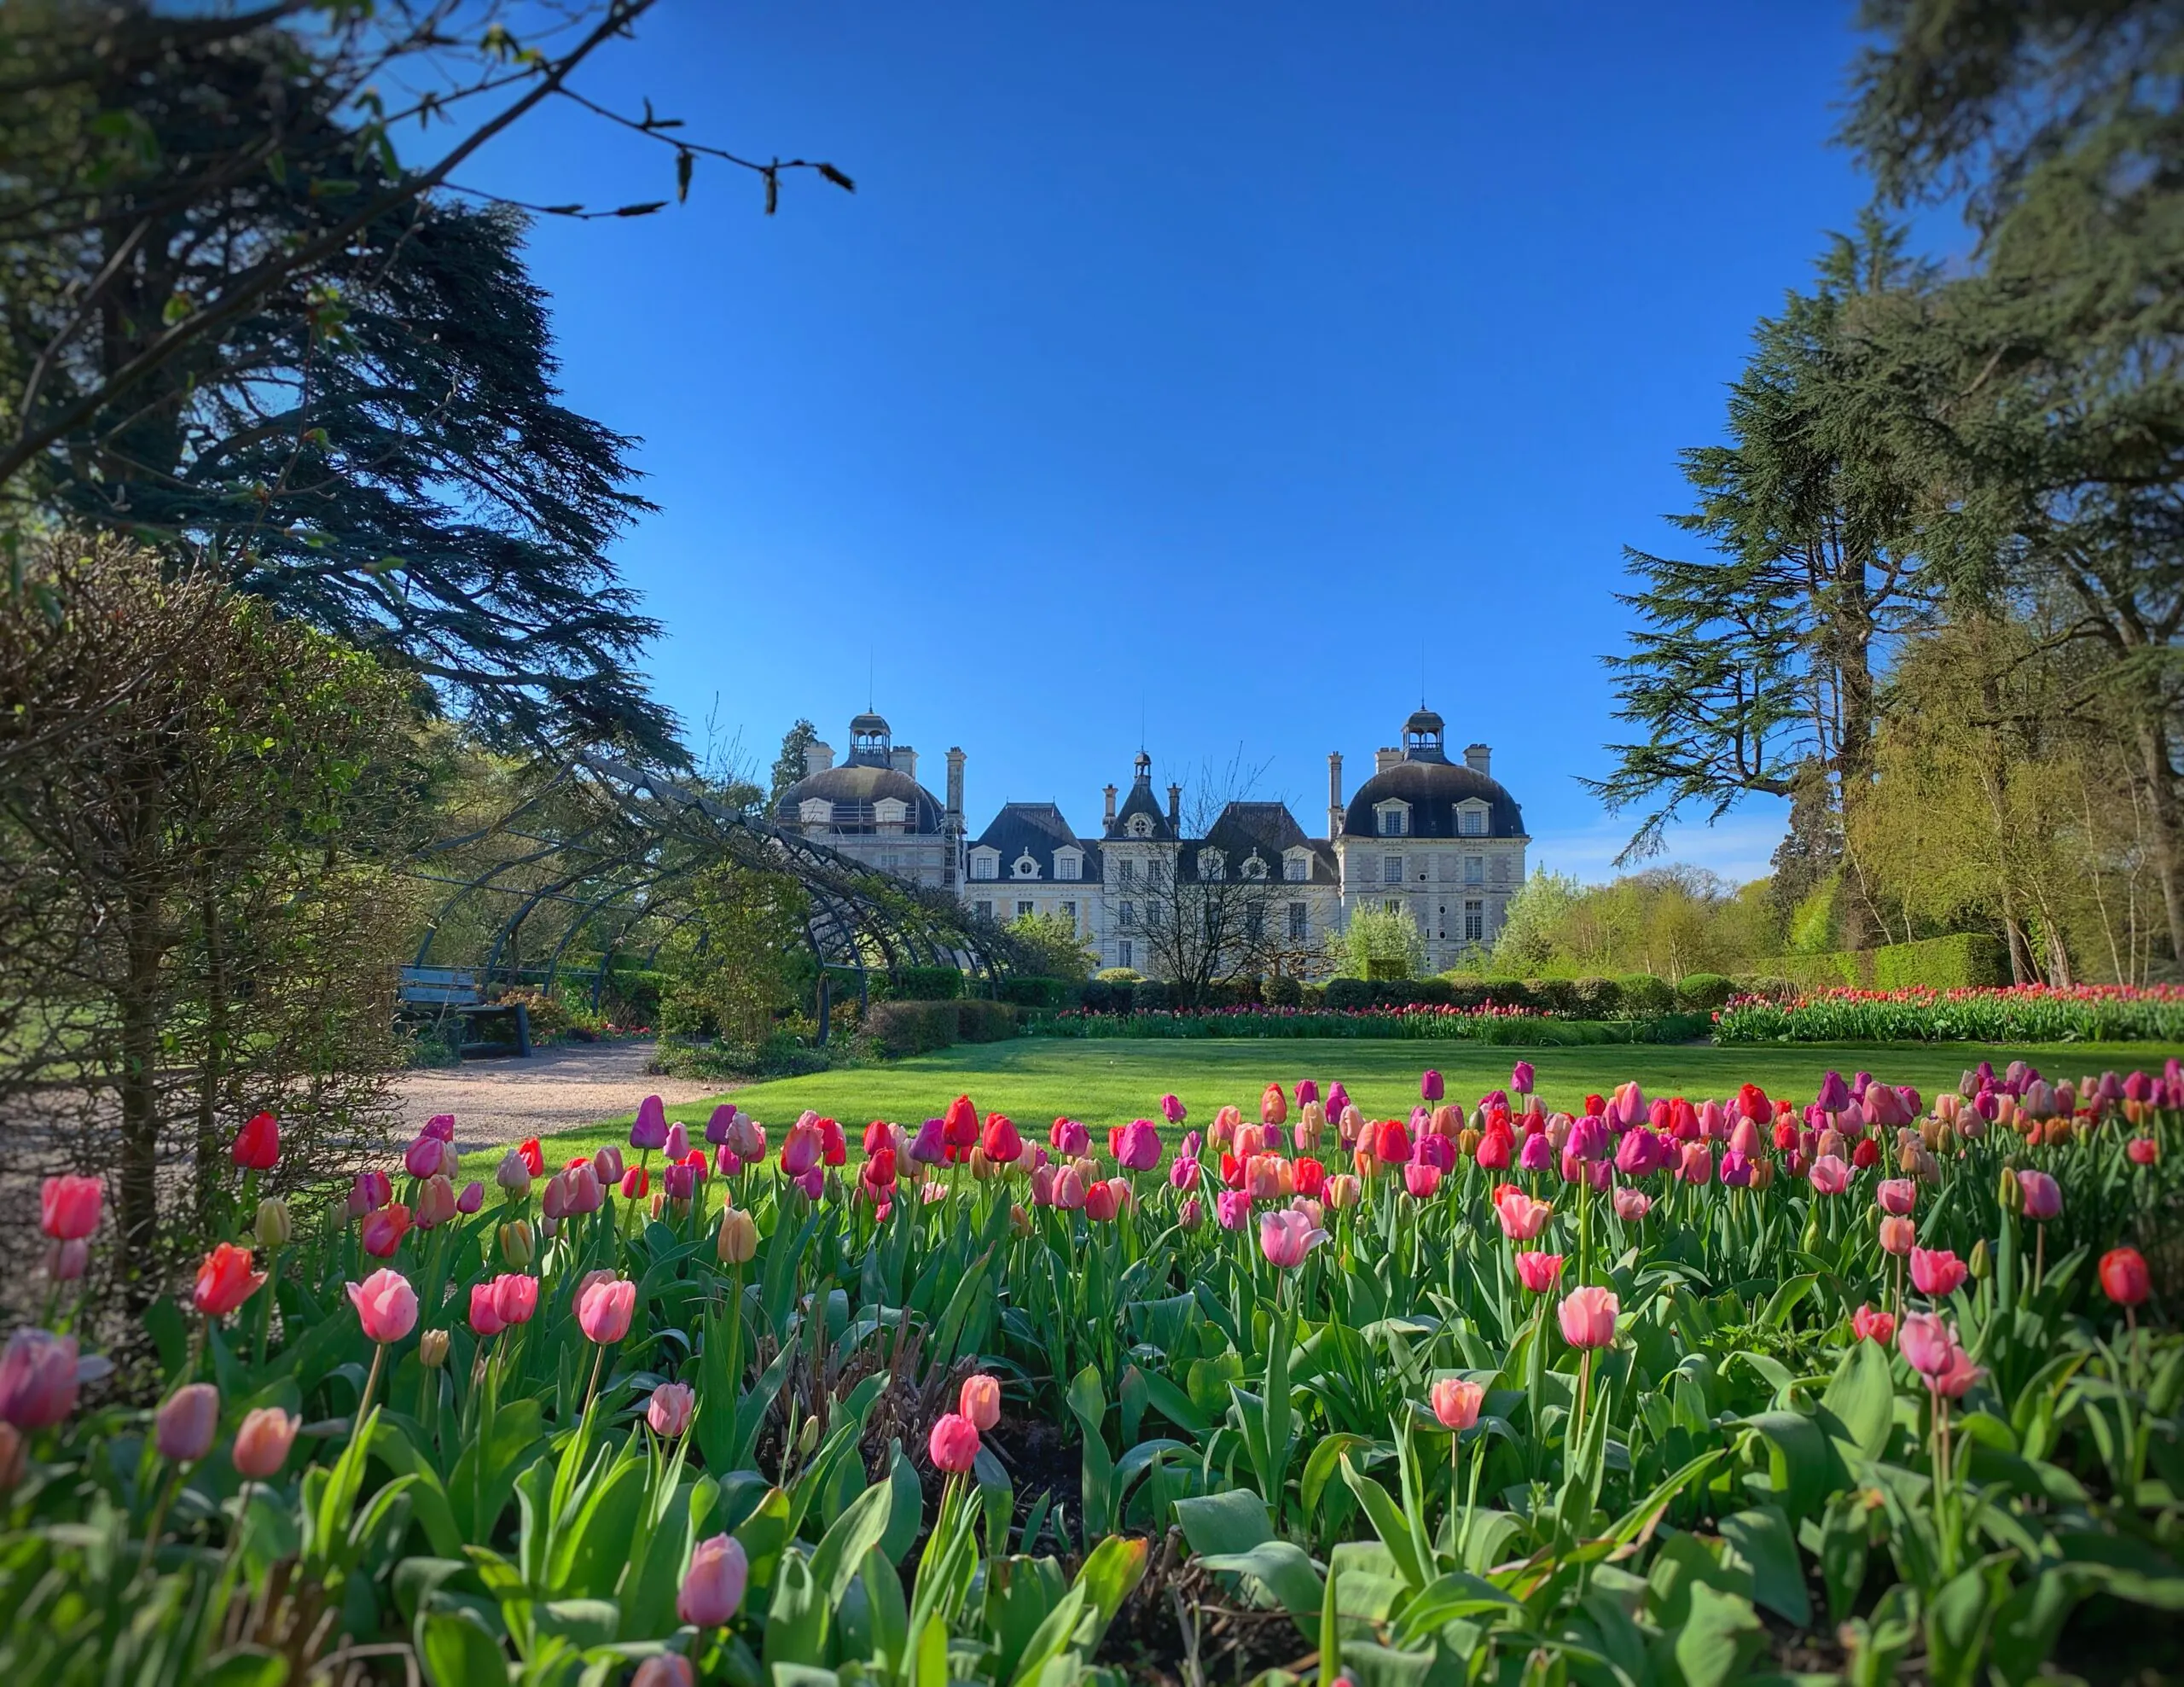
[[498, 1102]]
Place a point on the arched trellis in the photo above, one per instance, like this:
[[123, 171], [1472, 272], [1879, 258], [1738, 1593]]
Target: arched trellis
[[601, 853]]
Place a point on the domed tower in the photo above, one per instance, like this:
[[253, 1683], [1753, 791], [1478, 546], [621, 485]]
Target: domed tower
[[1441, 840], [871, 807]]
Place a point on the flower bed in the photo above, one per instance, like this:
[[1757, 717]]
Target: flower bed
[[2030, 1013], [1514, 1026], [1708, 1388]]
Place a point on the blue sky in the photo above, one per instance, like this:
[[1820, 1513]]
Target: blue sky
[[1222, 363]]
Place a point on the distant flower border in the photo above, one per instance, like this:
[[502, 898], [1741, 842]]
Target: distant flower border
[[2032, 1013]]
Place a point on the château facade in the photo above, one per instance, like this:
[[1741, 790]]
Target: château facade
[[1441, 839]]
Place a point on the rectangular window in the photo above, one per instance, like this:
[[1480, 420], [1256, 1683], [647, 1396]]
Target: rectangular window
[[1022, 911], [1392, 822], [1299, 921], [985, 910], [1123, 953], [1474, 921], [1129, 919], [1392, 869], [1254, 922], [1391, 906], [1471, 822], [1130, 872], [1068, 867], [1297, 869], [983, 867], [1474, 869]]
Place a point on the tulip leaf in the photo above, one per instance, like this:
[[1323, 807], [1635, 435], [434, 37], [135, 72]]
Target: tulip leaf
[[1282, 1568], [1232, 1520], [1761, 1539], [1389, 1523], [1862, 1397], [840, 1556], [1720, 1636], [456, 1650], [796, 1616]]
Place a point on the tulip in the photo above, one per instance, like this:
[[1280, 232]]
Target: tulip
[[607, 1166], [1834, 1094], [677, 1145], [435, 1202], [1539, 1272], [515, 1298], [1274, 1105], [604, 1310], [636, 1183], [1829, 1175], [665, 1669], [1183, 1174], [258, 1144], [1069, 1191], [37, 1378], [1737, 1171], [1421, 1179], [186, 1422], [387, 1305], [1430, 1086], [649, 1129], [961, 1122], [1104, 1197], [1140, 1146], [1455, 1401], [2123, 1277], [953, 1443], [1632, 1205], [713, 1587], [1342, 1192], [1002, 1143], [68, 1206], [1172, 1110], [1536, 1155], [927, 1147], [485, 1318], [1522, 1218], [1494, 1151], [669, 1409], [518, 1244], [432, 1349], [1896, 1195], [226, 1280], [979, 1401], [1869, 1325], [1955, 1380], [1232, 1209], [1936, 1271], [1926, 1341], [2142, 1150], [1639, 1154], [1191, 1214], [422, 1158], [262, 1443], [1588, 1317], [1520, 1077], [1697, 1165], [1898, 1235], [370, 1192], [2043, 1195], [834, 1149]]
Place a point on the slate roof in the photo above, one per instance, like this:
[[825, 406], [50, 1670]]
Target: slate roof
[[1433, 785], [1039, 829]]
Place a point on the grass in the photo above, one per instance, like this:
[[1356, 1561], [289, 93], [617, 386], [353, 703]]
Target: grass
[[1103, 1083]]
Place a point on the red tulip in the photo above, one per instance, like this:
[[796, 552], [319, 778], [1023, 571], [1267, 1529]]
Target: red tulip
[[2123, 1277], [68, 1206], [1538, 1272], [1003, 1143], [2142, 1150], [258, 1144], [534, 1156], [953, 1443], [383, 1230], [226, 1280], [1869, 1325], [1936, 1271]]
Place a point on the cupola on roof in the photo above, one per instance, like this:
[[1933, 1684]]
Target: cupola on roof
[[1434, 790]]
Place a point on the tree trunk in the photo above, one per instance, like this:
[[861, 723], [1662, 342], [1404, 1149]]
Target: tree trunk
[[139, 1095], [2168, 827]]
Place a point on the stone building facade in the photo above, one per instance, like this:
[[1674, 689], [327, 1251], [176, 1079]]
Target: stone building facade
[[1440, 838]]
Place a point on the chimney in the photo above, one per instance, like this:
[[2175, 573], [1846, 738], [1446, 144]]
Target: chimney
[[1480, 758], [1384, 758], [1334, 794], [1109, 820], [955, 781], [818, 757], [1176, 810], [903, 759]]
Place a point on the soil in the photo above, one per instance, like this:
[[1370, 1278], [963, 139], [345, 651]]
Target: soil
[[497, 1103]]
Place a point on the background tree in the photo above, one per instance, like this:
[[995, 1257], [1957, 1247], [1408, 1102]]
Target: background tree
[[1052, 944], [204, 816], [788, 765], [1208, 915], [743, 962], [1378, 943]]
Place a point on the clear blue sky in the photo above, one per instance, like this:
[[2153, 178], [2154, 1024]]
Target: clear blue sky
[[1217, 361]]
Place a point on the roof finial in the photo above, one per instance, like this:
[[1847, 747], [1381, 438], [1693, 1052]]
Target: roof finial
[[871, 665]]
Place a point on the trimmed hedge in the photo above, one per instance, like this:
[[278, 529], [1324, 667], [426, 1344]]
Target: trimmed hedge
[[925, 984], [1038, 992], [1428, 1025], [1703, 992], [900, 1028], [1966, 960], [1645, 997]]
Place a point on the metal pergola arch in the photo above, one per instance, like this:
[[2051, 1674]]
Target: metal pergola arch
[[613, 848]]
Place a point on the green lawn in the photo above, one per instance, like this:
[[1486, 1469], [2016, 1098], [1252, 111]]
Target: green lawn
[[1105, 1082]]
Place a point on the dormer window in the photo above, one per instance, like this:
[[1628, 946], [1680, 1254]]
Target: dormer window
[[1212, 864], [1069, 864], [1026, 866], [891, 811], [1253, 867], [815, 811], [1140, 827], [985, 864], [1297, 866], [1470, 820], [1394, 818]]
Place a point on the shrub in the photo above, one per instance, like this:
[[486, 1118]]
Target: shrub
[[1282, 992], [1348, 995], [978, 1022], [1119, 975], [1703, 992], [925, 984], [1036, 993], [898, 1028], [1966, 960], [1595, 998], [1099, 996], [1510, 993], [1557, 996], [1149, 995], [1464, 992], [1645, 997]]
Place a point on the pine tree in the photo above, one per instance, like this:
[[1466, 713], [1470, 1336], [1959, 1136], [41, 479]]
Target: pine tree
[[788, 765]]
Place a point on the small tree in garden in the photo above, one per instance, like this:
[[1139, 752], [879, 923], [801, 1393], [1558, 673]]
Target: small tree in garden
[[203, 811], [1053, 942], [747, 958], [1379, 943]]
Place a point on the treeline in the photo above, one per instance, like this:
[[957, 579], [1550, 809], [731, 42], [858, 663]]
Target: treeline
[[1936, 584]]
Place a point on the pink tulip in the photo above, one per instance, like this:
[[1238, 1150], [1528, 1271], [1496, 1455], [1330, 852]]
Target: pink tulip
[[1536, 1155], [713, 1587], [370, 1192], [383, 1230], [1232, 1209], [435, 1202], [1926, 1341], [472, 1198], [1539, 1272], [485, 1318], [1936, 1271], [665, 1669], [979, 1401], [1171, 1110], [1191, 1214], [1455, 1402], [1069, 1189], [1829, 1175], [1421, 1179], [1069, 1139], [1588, 1317], [37, 1378], [1744, 1139], [262, 1443], [1183, 1174], [68, 1206], [670, 1408], [2043, 1195], [1869, 1325], [1522, 1218], [1898, 1196], [1955, 1378], [1139, 1149], [1632, 1205], [186, 1422], [2142, 1150], [422, 1157], [1287, 1236], [604, 1310], [67, 1261], [677, 1145], [1897, 1235], [387, 1305], [953, 1443], [1697, 1165]]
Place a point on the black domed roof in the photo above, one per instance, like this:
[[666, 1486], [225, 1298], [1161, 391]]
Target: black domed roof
[[853, 789], [1433, 788]]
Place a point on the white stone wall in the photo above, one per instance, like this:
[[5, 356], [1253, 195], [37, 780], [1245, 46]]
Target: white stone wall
[[1437, 886]]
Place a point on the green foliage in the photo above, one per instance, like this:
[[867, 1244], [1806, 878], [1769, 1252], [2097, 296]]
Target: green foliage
[[742, 964], [1644, 996], [1664, 921], [924, 984], [898, 1028], [1702, 992], [1054, 943], [1379, 943], [1814, 924], [788, 765], [1966, 960]]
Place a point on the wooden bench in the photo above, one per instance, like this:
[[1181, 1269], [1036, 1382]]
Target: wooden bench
[[445, 991]]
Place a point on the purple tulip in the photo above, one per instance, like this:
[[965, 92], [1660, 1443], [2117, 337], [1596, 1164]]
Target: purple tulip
[[1430, 1086], [1521, 1076], [472, 1198], [1834, 1094], [650, 1129], [717, 1126], [928, 1148], [680, 1180], [442, 1125], [1171, 1110]]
